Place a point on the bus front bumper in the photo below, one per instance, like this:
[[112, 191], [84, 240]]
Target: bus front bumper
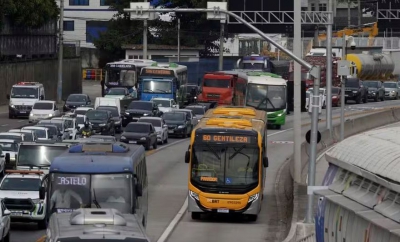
[[277, 120], [194, 205]]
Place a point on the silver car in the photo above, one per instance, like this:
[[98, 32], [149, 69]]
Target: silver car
[[392, 90]]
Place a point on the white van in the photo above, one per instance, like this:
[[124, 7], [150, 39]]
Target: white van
[[104, 101], [22, 97]]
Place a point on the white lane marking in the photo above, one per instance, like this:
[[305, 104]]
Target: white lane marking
[[169, 145], [4, 125], [20, 121], [279, 132], [167, 232]]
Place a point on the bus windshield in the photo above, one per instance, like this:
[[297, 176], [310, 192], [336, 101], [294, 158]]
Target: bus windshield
[[151, 85], [7, 146], [38, 155], [73, 191], [118, 77], [266, 97], [224, 165]]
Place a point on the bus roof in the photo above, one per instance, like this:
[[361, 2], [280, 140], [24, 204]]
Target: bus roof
[[135, 62], [232, 111], [98, 158], [241, 74], [167, 66], [267, 80]]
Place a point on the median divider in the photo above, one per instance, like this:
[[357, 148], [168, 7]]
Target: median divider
[[292, 196]]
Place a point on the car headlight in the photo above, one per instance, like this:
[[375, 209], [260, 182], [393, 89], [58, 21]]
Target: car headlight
[[102, 125], [355, 91], [279, 115], [143, 138], [393, 91], [253, 198], [334, 96], [146, 114], [123, 137], [117, 122], [12, 106], [127, 113], [31, 114], [50, 115], [181, 126], [194, 195]]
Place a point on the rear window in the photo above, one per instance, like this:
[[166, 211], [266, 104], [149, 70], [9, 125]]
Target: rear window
[[137, 128], [20, 184], [197, 110], [174, 116], [141, 105], [43, 106], [351, 82], [154, 122], [12, 137]]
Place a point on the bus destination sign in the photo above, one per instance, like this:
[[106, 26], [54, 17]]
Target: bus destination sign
[[219, 138], [121, 66], [157, 72]]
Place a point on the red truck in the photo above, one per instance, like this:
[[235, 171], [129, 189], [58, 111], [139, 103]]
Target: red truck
[[223, 87]]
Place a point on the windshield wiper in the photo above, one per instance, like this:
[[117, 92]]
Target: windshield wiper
[[268, 100], [95, 200], [237, 152], [213, 151]]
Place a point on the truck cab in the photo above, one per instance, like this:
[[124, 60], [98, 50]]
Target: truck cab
[[218, 87]]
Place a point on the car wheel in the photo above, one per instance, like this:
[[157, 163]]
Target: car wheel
[[42, 224], [166, 139], [383, 97], [358, 99], [7, 237], [147, 146]]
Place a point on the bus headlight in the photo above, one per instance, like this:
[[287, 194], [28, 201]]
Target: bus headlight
[[194, 195], [253, 198]]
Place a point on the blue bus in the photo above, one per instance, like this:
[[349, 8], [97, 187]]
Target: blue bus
[[99, 175], [256, 63], [161, 80]]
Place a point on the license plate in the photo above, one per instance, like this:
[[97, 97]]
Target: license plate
[[170, 131], [223, 210], [64, 210], [22, 112], [132, 142], [16, 213]]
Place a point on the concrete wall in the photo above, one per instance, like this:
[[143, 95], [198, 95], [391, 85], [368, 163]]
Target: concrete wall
[[43, 71]]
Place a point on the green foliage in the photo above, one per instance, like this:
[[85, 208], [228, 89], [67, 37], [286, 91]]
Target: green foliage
[[29, 13], [195, 29]]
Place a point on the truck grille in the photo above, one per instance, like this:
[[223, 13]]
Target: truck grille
[[136, 115], [23, 107], [19, 204], [213, 95]]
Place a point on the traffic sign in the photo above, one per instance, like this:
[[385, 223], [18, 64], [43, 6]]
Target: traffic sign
[[308, 137]]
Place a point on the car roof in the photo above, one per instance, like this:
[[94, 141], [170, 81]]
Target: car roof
[[194, 106], [77, 94], [141, 123], [8, 141], [35, 127], [102, 136], [84, 108], [183, 110], [45, 101], [14, 134], [21, 131], [30, 176], [151, 118], [162, 98]]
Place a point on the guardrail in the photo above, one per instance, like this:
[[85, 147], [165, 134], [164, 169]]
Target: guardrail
[[308, 238]]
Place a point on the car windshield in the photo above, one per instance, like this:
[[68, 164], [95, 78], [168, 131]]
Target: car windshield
[[223, 165], [56, 123], [73, 191], [40, 133], [28, 136], [20, 184], [266, 97], [38, 155], [162, 103], [43, 106], [216, 83], [351, 82], [371, 84], [52, 130], [174, 116], [141, 105], [80, 120], [113, 110], [196, 110], [120, 77], [96, 115], [24, 92], [6, 146], [390, 85], [154, 122], [11, 137], [157, 85], [117, 91], [80, 112], [76, 98], [137, 128]]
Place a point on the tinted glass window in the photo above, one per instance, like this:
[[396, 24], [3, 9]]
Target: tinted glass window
[[141, 105], [390, 85], [24, 92], [335, 90], [12, 137], [9, 146], [137, 128], [96, 115], [43, 106], [351, 82], [154, 122], [217, 83], [20, 184], [76, 98], [371, 84], [117, 91], [38, 155], [82, 112], [174, 116], [197, 111], [113, 110]]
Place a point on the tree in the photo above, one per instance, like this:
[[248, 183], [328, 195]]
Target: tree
[[28, 13], [195, 29]]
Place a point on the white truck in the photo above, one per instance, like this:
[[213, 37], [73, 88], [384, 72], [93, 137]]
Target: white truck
[[22, 97]]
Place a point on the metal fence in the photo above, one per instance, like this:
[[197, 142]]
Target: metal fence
[[308, 238]]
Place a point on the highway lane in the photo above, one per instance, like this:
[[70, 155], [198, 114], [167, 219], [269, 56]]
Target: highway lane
[[168, 184]]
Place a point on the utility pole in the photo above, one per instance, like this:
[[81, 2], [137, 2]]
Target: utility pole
[[359, 20], [348, 13], [145, 37], [179, 39], [60, 53], [297, 92], [221, 45], [343, 90], [329, 68]]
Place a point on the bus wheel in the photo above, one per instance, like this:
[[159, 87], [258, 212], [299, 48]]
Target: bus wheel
[[196, 215], [252, 217], [277, 126]]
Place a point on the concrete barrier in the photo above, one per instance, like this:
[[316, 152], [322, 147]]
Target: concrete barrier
[[352, 127]]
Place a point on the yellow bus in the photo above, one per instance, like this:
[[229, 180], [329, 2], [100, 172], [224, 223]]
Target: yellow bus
[[227, 161]]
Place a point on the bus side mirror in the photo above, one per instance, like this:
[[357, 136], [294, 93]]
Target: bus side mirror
[[187, 157], [42, 193], [7, 158], [265, 162], [139, 189]]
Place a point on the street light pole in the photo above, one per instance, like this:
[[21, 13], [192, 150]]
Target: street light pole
[[145, 37], [60, 53], [343, 90], [221, 45], [179, 39], [329, 68]]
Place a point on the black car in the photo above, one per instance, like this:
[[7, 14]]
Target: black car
[[116, 116], [140, 133], [178, 123], [356, 91], [138, 109], [76, 100], [376, 90], [102, 122]]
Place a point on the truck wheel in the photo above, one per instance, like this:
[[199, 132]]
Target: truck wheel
[[278, 126], [252, 217], [42, 224]]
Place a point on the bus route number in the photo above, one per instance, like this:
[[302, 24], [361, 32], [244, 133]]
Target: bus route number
[[121, 66], [226, 138]]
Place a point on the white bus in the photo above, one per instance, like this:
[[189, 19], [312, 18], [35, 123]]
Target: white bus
[[268, 92], [161, 80], [124, 73]]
